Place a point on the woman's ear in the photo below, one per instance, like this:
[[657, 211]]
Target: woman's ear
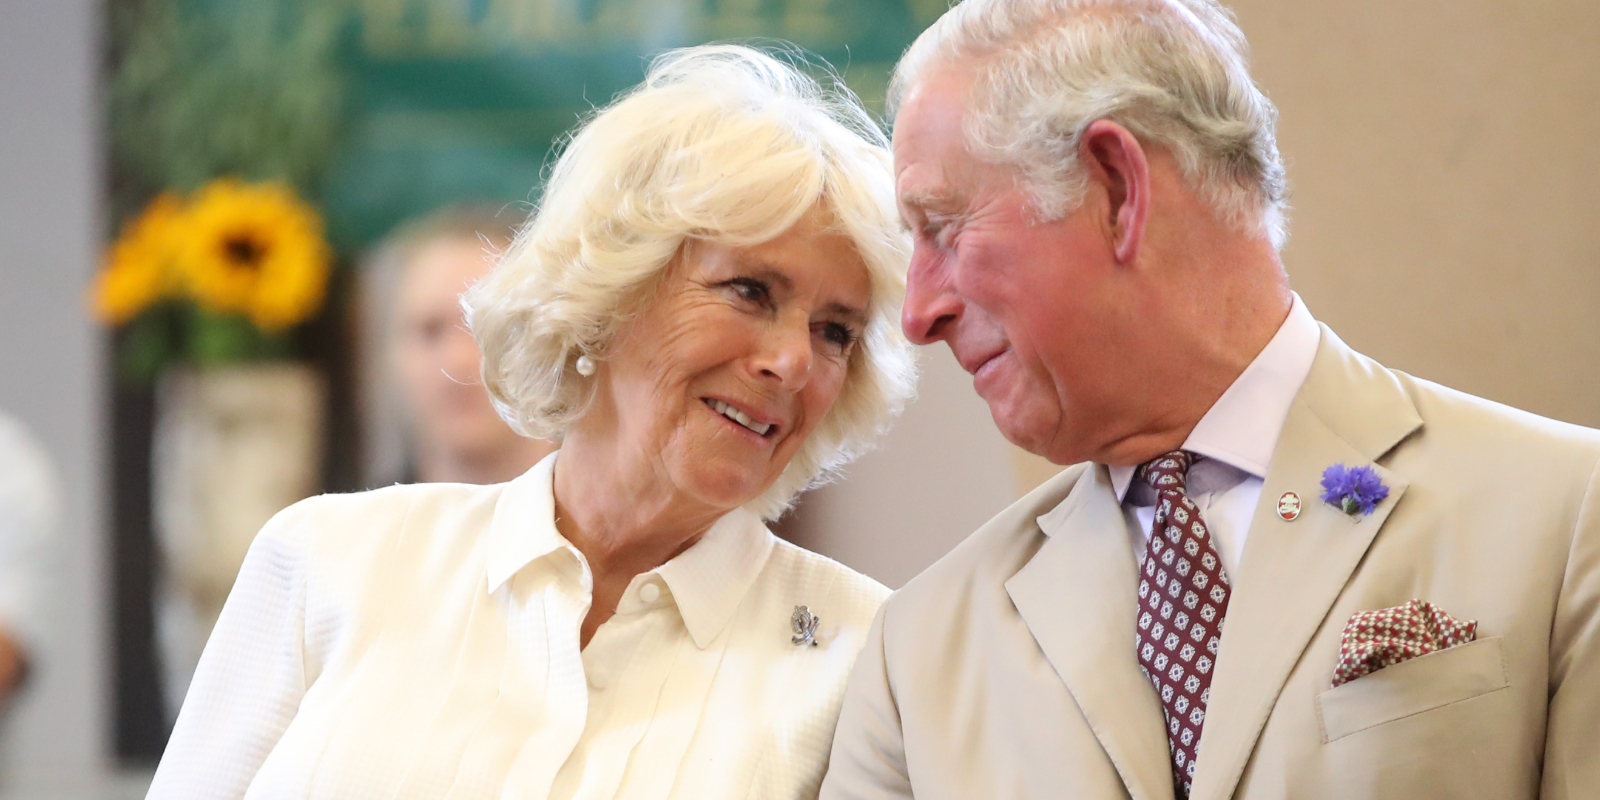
[[1116, 162]]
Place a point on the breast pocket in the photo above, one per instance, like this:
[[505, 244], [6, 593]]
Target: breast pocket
[[1413, 687]]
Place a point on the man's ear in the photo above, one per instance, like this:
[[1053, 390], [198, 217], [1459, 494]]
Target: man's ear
[[1116, 162]]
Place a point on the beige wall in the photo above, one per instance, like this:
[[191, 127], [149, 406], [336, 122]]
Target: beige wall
[[1445, 165], [1444, 159]]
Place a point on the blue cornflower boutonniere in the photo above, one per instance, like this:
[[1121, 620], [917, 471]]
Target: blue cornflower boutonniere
[[1354, 490]]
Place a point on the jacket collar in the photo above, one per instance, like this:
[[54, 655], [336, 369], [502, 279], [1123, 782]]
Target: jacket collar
[[1351, 410], [1077, 595]]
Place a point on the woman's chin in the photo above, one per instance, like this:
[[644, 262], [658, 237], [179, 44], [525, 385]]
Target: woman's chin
[[727, 487]]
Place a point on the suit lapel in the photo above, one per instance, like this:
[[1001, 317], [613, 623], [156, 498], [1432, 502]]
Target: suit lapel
[[1349, 411], [1077, 597]]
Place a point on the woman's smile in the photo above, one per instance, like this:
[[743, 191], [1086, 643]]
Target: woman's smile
[[742, 417]]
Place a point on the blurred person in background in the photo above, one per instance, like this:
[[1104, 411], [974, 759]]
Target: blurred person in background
[[425, 362], [28, 508], [704, 311]]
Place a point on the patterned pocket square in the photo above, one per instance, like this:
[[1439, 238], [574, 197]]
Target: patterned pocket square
[[1377, 639]]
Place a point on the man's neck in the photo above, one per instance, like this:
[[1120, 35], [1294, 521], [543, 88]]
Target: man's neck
[[1240, 298]]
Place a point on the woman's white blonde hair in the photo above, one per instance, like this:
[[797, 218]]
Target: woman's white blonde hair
[[720, 143], [1173, 72]]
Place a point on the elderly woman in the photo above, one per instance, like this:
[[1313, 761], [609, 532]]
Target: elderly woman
[[703, 310]]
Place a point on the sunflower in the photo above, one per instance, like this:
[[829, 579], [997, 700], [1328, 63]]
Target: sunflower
[[256, 250], [139, 269]]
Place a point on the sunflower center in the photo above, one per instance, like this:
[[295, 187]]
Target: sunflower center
[[244, 251]]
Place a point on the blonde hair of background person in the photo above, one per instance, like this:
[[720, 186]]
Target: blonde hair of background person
[[704, 308], [427, 416]]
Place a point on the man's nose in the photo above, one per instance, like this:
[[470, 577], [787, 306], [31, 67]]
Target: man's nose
[[932, 305]]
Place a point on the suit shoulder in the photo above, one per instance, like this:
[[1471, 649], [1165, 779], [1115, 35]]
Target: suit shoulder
[[1476, 422], [997, 549]]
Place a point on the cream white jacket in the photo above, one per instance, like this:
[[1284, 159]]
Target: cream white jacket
[[422, 642]]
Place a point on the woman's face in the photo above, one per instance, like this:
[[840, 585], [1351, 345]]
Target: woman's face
[[717, 384]]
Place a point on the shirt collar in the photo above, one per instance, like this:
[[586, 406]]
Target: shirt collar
[[1241, 429], [707, 582], [524, 526]]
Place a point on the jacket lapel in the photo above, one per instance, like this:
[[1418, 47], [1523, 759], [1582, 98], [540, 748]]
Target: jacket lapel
[[1077, 597], [1351, 411]]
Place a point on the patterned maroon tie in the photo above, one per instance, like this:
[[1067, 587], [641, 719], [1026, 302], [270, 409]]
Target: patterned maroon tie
[[1183, 598]]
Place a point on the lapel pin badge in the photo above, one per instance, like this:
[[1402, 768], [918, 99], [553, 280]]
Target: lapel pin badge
[[804, 623], [1288, 506]]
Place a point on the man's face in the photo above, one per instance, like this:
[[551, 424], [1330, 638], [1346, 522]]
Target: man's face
[[1031, 309]]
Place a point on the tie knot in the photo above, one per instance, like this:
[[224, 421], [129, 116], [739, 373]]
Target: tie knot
[[1169, 472]]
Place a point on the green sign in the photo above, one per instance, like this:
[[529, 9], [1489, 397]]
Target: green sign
[[456, 100]]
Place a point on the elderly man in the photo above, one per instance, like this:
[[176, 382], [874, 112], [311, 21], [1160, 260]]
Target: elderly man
[[1277, 569]]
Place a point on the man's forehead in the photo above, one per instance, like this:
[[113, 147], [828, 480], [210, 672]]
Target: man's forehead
[[930, 148]]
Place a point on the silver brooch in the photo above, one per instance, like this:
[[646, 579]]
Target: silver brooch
[[804, 624]]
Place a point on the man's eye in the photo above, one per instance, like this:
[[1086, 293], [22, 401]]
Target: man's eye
[[940, 234]]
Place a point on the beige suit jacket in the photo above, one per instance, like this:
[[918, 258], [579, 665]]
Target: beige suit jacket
[[1007, 669]]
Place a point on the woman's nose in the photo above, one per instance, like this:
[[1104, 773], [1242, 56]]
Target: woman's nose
[[786, 353]]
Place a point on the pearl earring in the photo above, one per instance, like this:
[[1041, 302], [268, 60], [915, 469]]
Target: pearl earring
[[585, 366]]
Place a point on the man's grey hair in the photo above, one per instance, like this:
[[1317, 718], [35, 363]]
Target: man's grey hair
[[1173, 72]]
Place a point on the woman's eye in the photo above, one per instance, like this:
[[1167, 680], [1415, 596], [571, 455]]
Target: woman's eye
[[839, 335], [751, 290]]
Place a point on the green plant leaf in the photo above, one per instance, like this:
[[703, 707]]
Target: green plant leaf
[[146, 345]]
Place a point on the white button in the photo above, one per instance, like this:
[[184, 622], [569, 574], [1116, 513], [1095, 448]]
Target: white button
[[649, 592], [597, 682]]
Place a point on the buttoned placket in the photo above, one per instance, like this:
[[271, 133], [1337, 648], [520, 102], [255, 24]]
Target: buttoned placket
[[627, 662]]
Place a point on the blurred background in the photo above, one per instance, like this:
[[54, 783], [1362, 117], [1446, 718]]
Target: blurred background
[[325, 174]]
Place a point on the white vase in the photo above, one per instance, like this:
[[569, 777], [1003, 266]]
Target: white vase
[[233, 446]]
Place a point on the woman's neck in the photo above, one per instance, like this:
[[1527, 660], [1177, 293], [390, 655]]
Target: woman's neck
[[624, 516]]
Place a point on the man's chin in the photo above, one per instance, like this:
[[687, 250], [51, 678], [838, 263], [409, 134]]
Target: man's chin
[[1029, 431]]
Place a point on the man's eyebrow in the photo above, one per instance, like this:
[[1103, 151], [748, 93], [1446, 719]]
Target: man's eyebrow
[[924, 197]]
